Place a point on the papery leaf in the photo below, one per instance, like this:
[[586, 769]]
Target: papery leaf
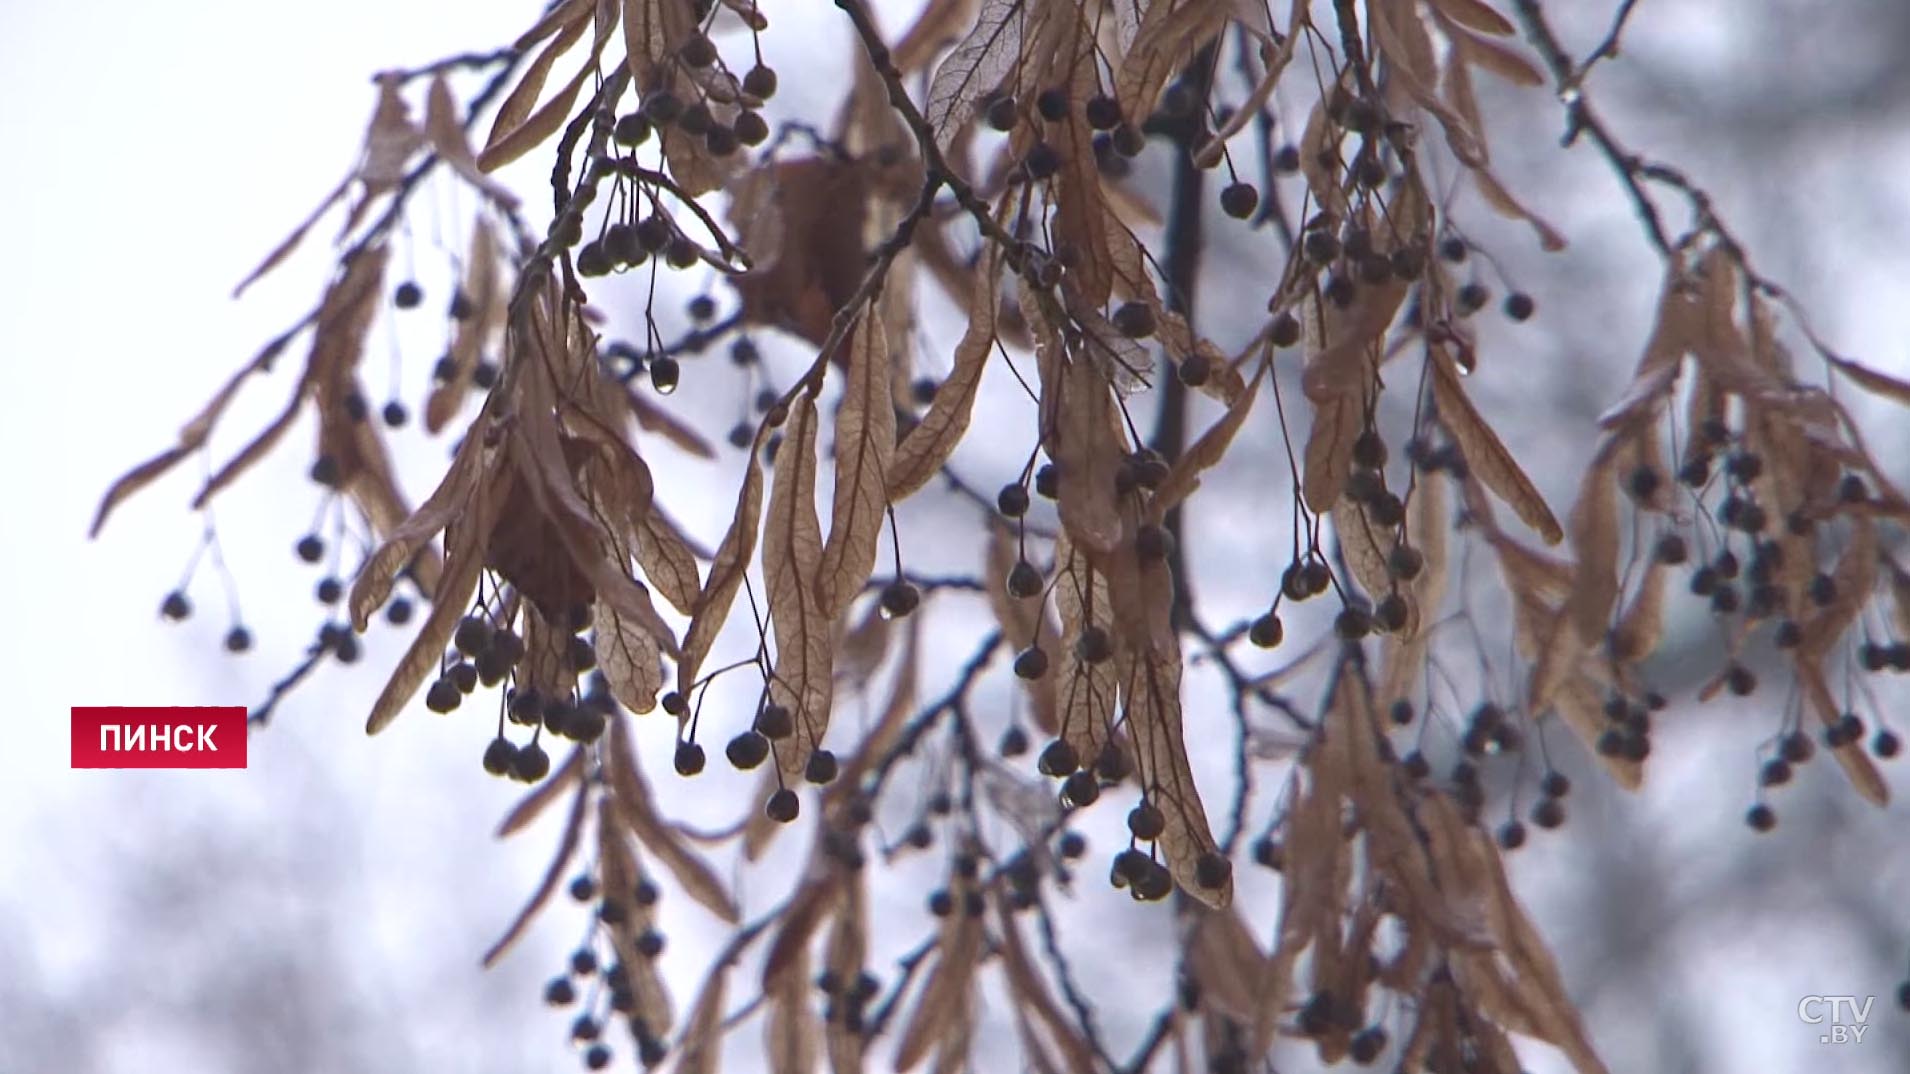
[[1485, 454], [975, 67], [486, 317], [928, 445], [864, 449], [946, 994], [1085, 691], [637, 808], [668, 560], [940, 22], [553, 873], [1477, 15], [726, 575], [1084, 438], [539, 798], [463, 562], [619, 872], [1152, 685], [1857, 765], [445, 129], [802, 681], [700, 1049], [1168, 35], [568, 23], [789, 1032]]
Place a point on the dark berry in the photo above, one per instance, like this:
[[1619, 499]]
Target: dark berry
[[531, 763], [747, 750], [176, 607], [689, 759], [1212, 871], [760, 82], [1014, 741], [1512, 835], [1519, 306], [822, 767], [1239, 200], [1266, 631], [1146, 821], [1135, 320], [1760, 817], [1285, 330], [443, 696], [1024, 580], [782, 806], [1886, 745], [751, 129], [407, 296], [1094, 646], [1031, 663], [900, 598], [1058, 759], [1549, 813], [499, 756], [775, 722], [1081, 788]]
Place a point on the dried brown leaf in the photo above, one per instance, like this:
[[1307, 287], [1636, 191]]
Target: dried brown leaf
[[1329, 449], [1485, 453], [847, 952], [864, 449], [975, 68], [1594, 522], [1031, 992], [940, 23], [1494, 57], [700, 1049], [445, 129], [553, 873], [539, 798], [517, 106], [1083, 435], [1153, 714], [802, 680], [290, 243], [946, 994], [1085, 691], [338, 338], [928, 445], [789, 1033], [618, 872], [1476, 15], [462, 565], [481, 289], [1168, 35], [1183, 477], [1856, 763], [509, 143], [725, 578], [637, 808]]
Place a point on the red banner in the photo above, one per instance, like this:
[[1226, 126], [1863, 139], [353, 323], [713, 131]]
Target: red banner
[[143, 737]]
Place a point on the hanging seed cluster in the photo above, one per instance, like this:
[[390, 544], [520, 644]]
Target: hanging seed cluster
[[989, 153]]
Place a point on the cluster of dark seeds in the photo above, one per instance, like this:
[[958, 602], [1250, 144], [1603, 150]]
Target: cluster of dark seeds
[[601, 989]]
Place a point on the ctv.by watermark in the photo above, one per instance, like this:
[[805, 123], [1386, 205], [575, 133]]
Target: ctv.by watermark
[[1842, 1019]]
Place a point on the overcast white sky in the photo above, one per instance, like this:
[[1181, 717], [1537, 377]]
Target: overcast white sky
[[151, 154]]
